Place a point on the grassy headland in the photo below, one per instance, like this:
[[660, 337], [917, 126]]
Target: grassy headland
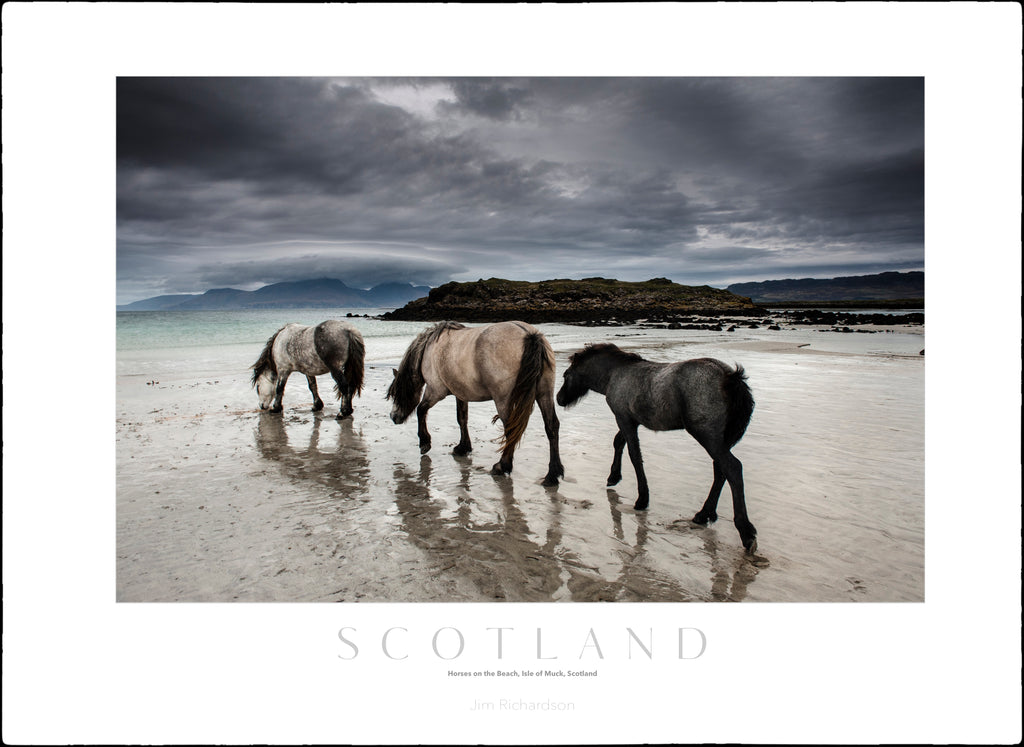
[[564, 300]]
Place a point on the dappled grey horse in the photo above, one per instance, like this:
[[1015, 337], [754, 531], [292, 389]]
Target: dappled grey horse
[[509, 362], [333, 347], [704, 396]]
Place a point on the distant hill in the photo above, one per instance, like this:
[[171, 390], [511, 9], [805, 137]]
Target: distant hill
[[566, 301], [322, 293], [882, 287], [157, 303]]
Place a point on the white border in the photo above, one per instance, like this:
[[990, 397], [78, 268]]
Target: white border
[[80, 668]]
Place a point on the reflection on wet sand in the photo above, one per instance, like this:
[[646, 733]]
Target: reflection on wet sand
[[496, 555], [478, 539], [731, 572], [730, 578], [340, 464], [635, 579], [481, 541]]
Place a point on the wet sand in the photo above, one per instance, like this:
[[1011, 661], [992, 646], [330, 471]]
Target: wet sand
[[217, 501]]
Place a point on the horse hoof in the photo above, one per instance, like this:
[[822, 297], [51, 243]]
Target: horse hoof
[[705, 519], [613, 480], [752, 547], [641, 504], [277, 409], [318, 406], [497, 471], [424, 448], [343, 415], [550, 482], [461, 450]]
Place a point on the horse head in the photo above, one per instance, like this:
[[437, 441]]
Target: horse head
[[266, 386], [264, 374], [407, 383], [404, 392], [574, 388], [589, 369]]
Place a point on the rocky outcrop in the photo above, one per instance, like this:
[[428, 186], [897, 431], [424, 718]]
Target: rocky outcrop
[[587, 300]]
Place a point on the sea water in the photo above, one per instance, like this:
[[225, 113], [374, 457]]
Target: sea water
[[151, 343], [213, 339]]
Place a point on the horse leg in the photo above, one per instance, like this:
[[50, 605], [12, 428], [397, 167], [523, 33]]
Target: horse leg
[[504, 464], [555, 468], [733, 469], [616, 474], [344, 391], [708, 513], [282, 379], [462, 415], [430, 398], [318, 404], [629, 430]]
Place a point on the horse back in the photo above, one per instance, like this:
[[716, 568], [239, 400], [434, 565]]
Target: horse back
[[478, 363], [295, 350], [670, 396], [331, 341]]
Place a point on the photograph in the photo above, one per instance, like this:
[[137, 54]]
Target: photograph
[[659, 289], [512, 373]]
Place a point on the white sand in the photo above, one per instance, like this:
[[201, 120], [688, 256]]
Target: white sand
[[217, 501]]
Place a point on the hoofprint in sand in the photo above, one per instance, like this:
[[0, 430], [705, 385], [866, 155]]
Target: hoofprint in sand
[[217, 501]]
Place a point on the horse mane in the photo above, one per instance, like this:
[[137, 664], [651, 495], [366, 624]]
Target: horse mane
[[603, 348], [266, 359], [405, 389]]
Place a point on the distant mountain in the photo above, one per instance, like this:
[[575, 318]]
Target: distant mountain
[[157, 303], [303, 294], [886, 286]]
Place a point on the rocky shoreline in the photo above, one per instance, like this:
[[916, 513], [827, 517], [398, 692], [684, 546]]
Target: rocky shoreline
[[843, 321]]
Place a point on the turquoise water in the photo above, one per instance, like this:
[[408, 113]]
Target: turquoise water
[[161, 344], [154, 330], [172, 344]]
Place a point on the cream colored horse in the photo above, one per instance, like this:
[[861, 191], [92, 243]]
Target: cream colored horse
[[509, 362]]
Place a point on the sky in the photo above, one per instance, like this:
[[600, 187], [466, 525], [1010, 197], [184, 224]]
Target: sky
[[243, 182]]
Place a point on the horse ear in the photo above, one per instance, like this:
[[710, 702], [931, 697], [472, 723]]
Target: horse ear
[[394, 373]]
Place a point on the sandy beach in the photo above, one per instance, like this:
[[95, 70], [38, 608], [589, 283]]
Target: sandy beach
[[218, 501]]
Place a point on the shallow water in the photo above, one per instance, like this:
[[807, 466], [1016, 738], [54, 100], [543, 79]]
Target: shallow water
[[217, 501]]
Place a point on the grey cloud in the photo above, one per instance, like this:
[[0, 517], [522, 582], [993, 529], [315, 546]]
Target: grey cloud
[[493, 99], [551, 176]]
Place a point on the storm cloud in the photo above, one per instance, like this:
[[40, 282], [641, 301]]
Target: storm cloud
[[242, 182]]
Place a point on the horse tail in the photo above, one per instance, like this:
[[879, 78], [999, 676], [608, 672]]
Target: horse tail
[[536, 360], [354, 364], [739, 405]]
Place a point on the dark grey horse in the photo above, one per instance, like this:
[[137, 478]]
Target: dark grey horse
[[704, 396], [332, 346]]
